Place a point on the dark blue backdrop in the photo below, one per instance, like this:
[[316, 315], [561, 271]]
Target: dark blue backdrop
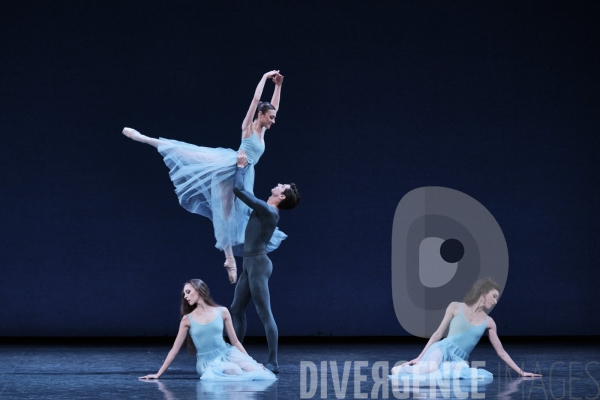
[[495, 99]]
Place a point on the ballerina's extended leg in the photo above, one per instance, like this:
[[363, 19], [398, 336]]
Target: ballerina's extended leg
[[138, 137], [225, 187], [181, 153]]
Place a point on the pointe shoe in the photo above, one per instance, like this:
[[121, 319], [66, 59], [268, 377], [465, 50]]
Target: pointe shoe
[[231, 268], [133, 134]]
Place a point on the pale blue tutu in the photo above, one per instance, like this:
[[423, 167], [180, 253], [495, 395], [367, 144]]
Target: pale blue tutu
[[217, 360], [444, 361], [203, 179], [229, 364]]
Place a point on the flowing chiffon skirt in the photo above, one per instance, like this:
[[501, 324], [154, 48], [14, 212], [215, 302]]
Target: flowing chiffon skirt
[[227, 363], [203, 180], [444, 360]]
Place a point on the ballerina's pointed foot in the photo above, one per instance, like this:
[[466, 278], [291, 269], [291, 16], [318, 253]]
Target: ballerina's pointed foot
[[231, 268], [133, 134]]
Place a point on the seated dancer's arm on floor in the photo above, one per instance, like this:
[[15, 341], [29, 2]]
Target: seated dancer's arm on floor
[[184, 328], [437, 335], [495, 340]]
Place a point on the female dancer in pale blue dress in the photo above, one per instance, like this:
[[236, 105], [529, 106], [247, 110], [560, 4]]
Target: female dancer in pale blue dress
[[468, 321], [202, 325], [203, 176]]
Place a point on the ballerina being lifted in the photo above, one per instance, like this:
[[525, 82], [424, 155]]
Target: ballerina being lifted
[[203, 176]]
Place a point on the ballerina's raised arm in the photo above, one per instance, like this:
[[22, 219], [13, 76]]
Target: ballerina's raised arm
[[250, 119]]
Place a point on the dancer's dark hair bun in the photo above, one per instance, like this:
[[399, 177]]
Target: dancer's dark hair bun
[[263, 107]]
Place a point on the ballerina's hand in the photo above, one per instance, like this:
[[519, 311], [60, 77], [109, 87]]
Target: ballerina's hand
[[411, 362], [242, 160], [151, 376], [270, 74], [529, 374], [278, 79]]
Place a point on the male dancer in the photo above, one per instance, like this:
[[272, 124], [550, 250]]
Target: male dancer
[[253, 283]]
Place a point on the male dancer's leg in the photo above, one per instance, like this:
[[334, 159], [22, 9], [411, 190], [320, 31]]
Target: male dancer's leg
[[241, 298], [259, 271]]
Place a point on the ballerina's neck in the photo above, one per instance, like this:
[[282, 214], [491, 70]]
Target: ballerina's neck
[[473, 314], [205, 318]]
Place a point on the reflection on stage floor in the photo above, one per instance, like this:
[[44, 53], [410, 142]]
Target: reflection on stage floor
[[350, 369]]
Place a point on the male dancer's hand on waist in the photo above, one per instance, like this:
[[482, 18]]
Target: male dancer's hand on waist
[[242, 160]]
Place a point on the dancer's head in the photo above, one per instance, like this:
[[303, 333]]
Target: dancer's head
[[195, 292], [484, 292], [265, 113], [285, 196]]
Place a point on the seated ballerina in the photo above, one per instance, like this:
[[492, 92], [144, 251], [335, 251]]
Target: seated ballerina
[[202, 326], [468, 321]]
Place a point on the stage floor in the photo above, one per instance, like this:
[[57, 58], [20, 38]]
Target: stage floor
[[571, 370]]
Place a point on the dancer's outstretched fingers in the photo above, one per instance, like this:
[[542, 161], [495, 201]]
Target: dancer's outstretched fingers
[[278, 79], [272, 73], [151, 376], [411, 362]]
